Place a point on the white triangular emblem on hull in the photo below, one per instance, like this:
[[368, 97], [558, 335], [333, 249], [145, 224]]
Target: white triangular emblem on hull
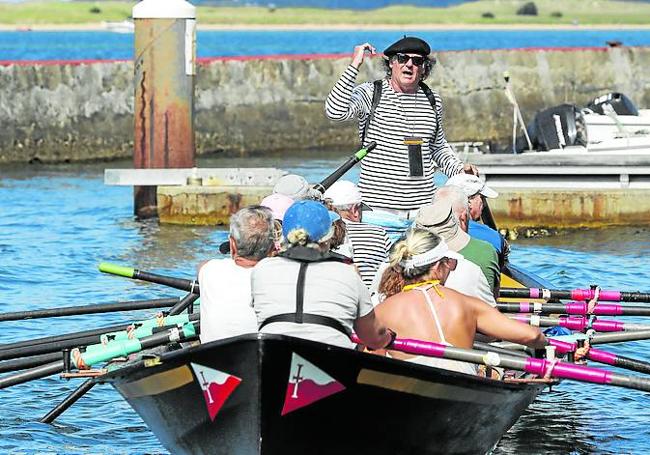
[[216, 385], [307, 384]]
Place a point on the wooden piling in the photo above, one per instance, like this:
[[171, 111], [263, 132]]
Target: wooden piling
[[164, 70]]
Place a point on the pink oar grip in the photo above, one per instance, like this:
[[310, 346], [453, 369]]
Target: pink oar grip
[[608, 326], [568, 371], [573, 323], [601, 310], [602, 356], [588, 294], [420, 347], [562, 346]]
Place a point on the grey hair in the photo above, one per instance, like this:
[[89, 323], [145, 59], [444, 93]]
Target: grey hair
[[429, 63], [456, 197], [346, 207], [252, 229]]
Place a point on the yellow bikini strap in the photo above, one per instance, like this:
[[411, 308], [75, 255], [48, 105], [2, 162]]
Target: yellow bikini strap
[[435, 284]]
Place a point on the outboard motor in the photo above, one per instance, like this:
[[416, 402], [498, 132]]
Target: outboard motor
[[555, 128], [621, 104]]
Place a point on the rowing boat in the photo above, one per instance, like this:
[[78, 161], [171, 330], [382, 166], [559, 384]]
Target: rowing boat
[[262, 394]]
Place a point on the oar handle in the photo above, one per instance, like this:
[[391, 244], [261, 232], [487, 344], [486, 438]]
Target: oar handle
[[486, 215], [345, 167], [89, 309], [119, 270], [540, 367], [129, 272], [574, 294], [605, 357]]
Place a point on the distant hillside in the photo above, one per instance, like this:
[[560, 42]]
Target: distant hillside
[[271, 13], [347, 4], [332, 4]]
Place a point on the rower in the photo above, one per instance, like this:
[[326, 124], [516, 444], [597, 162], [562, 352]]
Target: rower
[[420, 306], [296, 187], [370, 243], [477, 191], [225, 288], [447, 216], [309, 292]]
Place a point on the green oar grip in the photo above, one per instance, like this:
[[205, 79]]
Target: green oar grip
[[361, 154], [115, 269]]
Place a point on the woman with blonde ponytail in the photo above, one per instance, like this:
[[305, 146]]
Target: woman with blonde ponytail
[[419, 306]]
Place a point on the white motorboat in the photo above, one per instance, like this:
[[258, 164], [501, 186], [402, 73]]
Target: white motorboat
[[609, 124], [125, 26]]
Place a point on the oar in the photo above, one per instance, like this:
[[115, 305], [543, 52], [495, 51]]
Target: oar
[[103, 353], [68, 401], [575, 294], [80, 391], [531, 365], [112, 331], [185, 302], [89, 309], [578, 323], [345, 167], [28, 362], [619, 337], [486, 215], [608, 358], [143, 330], [69, 336], [488, 347], [577, 308], [191, 286]]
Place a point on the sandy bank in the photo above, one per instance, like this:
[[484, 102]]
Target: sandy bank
[[410, 27]]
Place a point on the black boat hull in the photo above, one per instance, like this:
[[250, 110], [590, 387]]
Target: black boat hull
[[378, 405]]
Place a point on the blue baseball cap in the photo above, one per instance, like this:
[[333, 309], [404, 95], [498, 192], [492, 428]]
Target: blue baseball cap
[[311, 216]]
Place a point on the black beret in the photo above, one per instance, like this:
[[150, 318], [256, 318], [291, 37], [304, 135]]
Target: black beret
[[408, 45]]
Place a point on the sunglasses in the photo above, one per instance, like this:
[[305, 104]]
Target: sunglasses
[[417, 60]]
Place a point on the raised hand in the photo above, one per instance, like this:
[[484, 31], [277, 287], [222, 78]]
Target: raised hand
[[360, 52]]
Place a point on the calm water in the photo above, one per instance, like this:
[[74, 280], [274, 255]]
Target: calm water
[[58, 223], [107, 45]]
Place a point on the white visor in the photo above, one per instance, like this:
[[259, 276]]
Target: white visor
[[430, 257]]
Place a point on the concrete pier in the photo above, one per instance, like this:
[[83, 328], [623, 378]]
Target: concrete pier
[[80, 111], [555, 192], [206, 205], [200, 196]]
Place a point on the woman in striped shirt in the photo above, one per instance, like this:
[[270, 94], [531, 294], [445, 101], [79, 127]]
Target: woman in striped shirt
[[398, 175]]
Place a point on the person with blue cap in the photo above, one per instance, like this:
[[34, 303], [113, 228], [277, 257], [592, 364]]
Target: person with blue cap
[[404, 117], [308, 292]]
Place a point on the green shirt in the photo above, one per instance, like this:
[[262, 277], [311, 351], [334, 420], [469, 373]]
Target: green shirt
[[485, 256]]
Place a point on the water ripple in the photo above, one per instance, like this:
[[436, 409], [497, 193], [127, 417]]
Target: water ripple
[[58, 223]]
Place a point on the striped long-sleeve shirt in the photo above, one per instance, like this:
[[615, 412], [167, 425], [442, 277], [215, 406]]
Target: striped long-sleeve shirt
[[370, 245], [385, 181]]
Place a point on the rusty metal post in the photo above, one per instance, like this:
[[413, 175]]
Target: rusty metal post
[[164, 70]]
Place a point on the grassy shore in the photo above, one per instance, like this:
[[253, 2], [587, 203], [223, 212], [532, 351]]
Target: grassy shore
[[550, 13]]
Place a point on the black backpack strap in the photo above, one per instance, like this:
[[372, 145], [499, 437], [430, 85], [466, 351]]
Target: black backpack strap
[[432, 100], [376, 97], [300, 317], [308, 319], [300, 292]]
